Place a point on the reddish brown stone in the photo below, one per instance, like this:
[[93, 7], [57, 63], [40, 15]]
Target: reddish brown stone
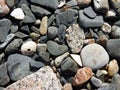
[[82, 76]]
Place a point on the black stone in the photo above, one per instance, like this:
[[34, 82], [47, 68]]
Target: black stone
[[25, 29]]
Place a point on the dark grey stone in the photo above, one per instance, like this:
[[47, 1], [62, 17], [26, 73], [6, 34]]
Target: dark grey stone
[[28, 20], [67, 18], [25, 29], [86, 22], [69, 67], [4, 78], [72, 3], [21, 35], [43, 39], [23, 2], [117, 23], [39, 11], [5, 25], [89, 12], [51, 19], [14, 46], [53, 4], [14, 28], [35, 29], [52, 32], [115, 32], [10, 3], [55, 49], [116, 81]]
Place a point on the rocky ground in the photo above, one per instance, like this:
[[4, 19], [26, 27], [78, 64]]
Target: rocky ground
[[59, 44]]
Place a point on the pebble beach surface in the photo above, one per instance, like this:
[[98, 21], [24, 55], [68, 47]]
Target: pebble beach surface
[[59, 44]]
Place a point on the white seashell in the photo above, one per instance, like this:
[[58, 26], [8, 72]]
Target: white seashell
[[62, 2], [18, 14]]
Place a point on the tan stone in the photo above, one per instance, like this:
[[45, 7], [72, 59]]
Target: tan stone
[[83, 2], [82, 76], [67, 86]]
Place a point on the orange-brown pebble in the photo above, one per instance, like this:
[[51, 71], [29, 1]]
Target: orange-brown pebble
[[82, 76], [67, 86]]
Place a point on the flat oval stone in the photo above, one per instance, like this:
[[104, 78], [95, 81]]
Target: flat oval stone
[[94, 56]]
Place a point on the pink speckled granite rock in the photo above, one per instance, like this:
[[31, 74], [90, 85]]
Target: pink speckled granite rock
[[43, 79]]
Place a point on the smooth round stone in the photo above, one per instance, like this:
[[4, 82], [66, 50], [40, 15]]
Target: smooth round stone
[[34, 36], [18, 14], [116, 81], [94, 56], [55, 49], [115, 33], [10, 3], [52, 32], [29, 48]]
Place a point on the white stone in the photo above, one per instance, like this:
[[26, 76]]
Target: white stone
[[62, 2], [77, 59], [111, 13], [18, 14]]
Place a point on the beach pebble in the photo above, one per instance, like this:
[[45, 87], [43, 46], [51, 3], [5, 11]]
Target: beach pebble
[[106, 28], [67, 86], [52, 32], [82, 3], [115, 32], [116, 81], [28, 48]]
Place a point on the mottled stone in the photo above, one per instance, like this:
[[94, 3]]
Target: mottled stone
[[82, 76], [106, 28], [74, 37], [43, 79], [67, 86]]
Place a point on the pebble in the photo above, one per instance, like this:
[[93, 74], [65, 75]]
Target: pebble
[[55, 49], [113, 68], [98, 57], [100, 73], [18, 14], [43, 26], [67, 86], [111, 13], [77, 59], [21, 35], [61, 3], [116, 81], [82, 76], [106, 28], [115, 32], [34, 36], [25, 29], [59, 59], [10, 3], [74, 37], [41, 47], [72, 3], [82, 3], [52, 32], [28, 48]]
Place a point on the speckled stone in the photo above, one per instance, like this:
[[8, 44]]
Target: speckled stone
[[74, 37], [43, 79], [82, 3], [106, 28]]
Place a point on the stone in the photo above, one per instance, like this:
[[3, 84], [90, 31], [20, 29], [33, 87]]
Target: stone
[[52, 32], [18, 14], [43, 39], [4, 10], [96, 82], [77, 59], [113, 68], [51, 19], [72, 3], [55, 49], [82, 76], [28, 20], [44, 78], [67, 86], [74, 37], [116, 81], [100, 73], [14, 46], [106, 28], [101, 5], [59, 59], [43, 26], [61, 3], [67, 18], [38, 22], [18, 66], [107, 86], [111, 13], [89, 12], [2, 88], [68, 67], [14, 28], [87, 22], [10, 3], [34, 36], [115, 32], [94, 56], [21, 35], [83, 3], [35, 29], [39, 11], [25, 29], [28, 48], [5, 25], [117, 23], [53, 4], [2, 55], [41, 47], [4, 78]]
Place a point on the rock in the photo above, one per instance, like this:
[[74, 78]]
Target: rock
[[41, 47], [111, 13], [39, 11], [74, 37], [89, 12], [2, 55], [21, 35], [53, 4], [94, 56], [86, 22], [72, 3], [14, 28], [4, 78], [106, 86], [18, 66], [77, 59], [55, 49], [23, 2], [68, 67], [116, 81], [67, 18], [52, 32], [67, 86], [117, 23], [115, 32], [100, 73], [34, 36], [35, 29], [5, 25], [28, 20], [44, 78], [14, 46], [106, 28], [4, 10], [61, 3], [43, 39], [10, 3], [43, 26], [101, 5], [59, 59], [113, 68], [18, 14], [25, 29], [82, 3], [29, 48], [51, 19], [89, 41], [96, 82], [38, 22], [82, 76], [2, 88]]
